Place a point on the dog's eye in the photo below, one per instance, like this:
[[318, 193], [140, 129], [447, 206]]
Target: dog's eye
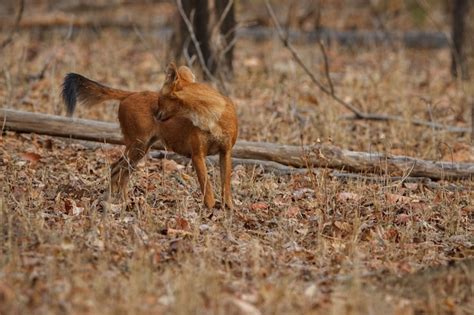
[[161, 116]]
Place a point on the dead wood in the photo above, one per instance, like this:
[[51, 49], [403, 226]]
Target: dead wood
[[318, 155], [267, 166], [59, 126], [329, 156], [284, 170]]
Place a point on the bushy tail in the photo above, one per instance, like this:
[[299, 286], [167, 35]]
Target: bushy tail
[[78, 88]]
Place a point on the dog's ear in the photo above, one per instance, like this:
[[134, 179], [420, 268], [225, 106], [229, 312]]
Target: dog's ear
[[170, 80], [186, 74], [171, 73]]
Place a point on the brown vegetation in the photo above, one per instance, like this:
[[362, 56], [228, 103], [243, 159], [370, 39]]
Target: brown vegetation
[[295, 244]]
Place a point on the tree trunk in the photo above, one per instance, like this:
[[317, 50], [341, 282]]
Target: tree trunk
[[458, 54], [201, 28], [227, 30], [197, 11], [310, 156], [180, 40], [199, 14]]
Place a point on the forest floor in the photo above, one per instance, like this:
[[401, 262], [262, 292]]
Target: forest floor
[[296, 244]]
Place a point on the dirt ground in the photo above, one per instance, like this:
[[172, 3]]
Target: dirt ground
[[295, 244]]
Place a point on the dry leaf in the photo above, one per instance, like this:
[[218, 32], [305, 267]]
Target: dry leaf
[[67, 246], [170, 231], [310, 98], [292, 212], [343, 226], [31, 157], [411, 186], [347, 196], [204, 227], [97, 243], [403, 218], [182, 224], [259, 206], [252, 62], [303, 192], [391, 234], [397, 199], [171, 166], [245, 307], [70, 207], [310, 291], [77, 210], [166, 300]]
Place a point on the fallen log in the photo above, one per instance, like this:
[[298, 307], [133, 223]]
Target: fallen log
[[283, 170], [318, 155], [323, 155], [59, 126], [278, 169], [267, 166]]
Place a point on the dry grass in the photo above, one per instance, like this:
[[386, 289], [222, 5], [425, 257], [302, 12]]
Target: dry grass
[[295, 244]]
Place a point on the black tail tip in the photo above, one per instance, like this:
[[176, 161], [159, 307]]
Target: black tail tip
[[69, 92]]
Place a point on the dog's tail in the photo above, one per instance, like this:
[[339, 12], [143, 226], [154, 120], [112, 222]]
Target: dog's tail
[[78, 88]]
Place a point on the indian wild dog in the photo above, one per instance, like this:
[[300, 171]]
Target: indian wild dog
[[190, 118]]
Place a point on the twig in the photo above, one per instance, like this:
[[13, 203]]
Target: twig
[[404, 178], [189, 60], [298, 59], [228, 47], [222, 17], [358, 114], [232, 43], [326, 66], [19, 15]]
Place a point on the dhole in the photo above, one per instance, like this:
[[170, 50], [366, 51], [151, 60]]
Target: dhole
[[191, 119]]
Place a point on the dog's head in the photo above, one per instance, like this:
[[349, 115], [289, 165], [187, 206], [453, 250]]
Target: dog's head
[[176, 79]]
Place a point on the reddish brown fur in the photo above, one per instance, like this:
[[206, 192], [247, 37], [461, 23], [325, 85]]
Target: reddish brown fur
[[191, 119], [213, 127]]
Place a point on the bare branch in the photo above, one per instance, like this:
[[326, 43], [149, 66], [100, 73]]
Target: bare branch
[[227, 48], [326, 66], [298, 59], [222, 17], [358, 114], [189, 60]]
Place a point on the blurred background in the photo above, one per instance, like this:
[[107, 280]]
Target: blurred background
[[296, 244], [409, 58]]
